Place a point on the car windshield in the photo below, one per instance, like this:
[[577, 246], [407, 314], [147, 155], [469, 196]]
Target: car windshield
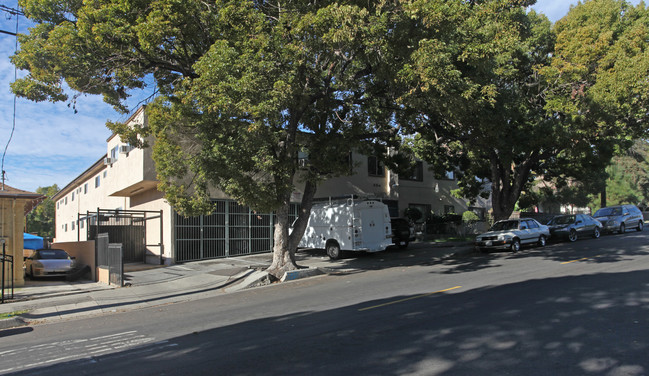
[[52, 254], [563, 220], [606, 212], [504, 225]]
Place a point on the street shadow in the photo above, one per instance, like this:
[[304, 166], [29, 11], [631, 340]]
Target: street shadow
[[606, 249], [576, 325]]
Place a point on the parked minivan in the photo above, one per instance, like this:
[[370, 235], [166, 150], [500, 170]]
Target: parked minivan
[[620, 218]]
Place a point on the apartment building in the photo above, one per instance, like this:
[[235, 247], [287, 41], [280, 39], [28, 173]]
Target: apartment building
[[118, 194]]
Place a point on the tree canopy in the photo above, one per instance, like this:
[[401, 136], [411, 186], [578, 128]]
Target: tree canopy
[[563, 101], [40, 221]]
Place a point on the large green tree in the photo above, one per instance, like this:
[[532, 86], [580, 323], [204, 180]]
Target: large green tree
[[244, 86], [40, 221], [561, 100]]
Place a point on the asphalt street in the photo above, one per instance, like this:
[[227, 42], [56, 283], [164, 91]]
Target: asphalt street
[[565, 309]]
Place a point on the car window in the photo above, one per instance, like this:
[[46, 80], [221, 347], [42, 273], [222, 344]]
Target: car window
[[504, 225], [532, 224], [51, 254], [605, 212], [563, 220]]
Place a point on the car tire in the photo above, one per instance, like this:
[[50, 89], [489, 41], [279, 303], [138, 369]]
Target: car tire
[[515, 246], [572, 236], [640, 226], [596, 233], [622, 228], [542, 241], [333, 250]]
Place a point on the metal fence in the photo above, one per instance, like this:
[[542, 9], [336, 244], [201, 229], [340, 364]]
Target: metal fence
[[4, 261], [230, 230]]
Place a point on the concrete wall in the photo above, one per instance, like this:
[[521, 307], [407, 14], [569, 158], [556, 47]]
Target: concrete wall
[[84, 252]]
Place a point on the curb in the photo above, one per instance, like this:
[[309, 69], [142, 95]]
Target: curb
[[12, 322], [300, 273]]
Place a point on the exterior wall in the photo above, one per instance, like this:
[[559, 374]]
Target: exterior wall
[[84, 252], [83, 197], [12, 223]]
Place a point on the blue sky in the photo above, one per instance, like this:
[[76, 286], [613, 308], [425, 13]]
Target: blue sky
[[53, 145]]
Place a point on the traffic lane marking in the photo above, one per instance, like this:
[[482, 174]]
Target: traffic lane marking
[[581, 259], [406, 299]]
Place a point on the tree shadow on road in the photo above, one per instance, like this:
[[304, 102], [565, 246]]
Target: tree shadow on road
[[589, 324]]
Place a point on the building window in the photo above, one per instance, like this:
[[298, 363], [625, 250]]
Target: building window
[[81, 223], [85, 188], [72, 196], [97, 182], [65, 227], [114, 153], [416, 174], [66, 200], [105, 173], [449, 209], [375, 166], [58, 204], [72, 225]]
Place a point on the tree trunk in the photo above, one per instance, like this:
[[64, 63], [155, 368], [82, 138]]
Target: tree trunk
[[507, 185], [602, 196], [285, 245]]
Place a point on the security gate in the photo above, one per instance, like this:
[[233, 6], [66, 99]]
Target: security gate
[[128, 227], [230, 230]]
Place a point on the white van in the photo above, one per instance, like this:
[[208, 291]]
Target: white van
[[348, 225]]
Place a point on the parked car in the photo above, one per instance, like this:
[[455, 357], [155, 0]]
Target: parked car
[[512, 234], [620, 218], [48, 263], [572, 226], [403, 231]]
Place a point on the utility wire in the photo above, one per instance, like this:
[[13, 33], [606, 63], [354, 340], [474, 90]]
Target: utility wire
[[13, 127]]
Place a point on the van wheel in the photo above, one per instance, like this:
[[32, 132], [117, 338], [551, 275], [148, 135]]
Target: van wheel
[[333, 250], [622, 228], [640, 226]]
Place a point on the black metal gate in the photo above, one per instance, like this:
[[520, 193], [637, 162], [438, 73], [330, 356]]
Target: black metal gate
[[110, 257], [128, 227], [231, 230]]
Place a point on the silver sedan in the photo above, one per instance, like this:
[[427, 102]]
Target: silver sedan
[[49, 262]]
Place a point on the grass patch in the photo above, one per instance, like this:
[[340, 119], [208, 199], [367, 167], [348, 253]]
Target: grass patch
[[11, 314]]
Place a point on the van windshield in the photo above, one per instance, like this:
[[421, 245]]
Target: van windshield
[[607, 212]]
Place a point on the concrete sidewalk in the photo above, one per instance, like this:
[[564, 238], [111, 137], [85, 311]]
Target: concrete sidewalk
[[45, 301]]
